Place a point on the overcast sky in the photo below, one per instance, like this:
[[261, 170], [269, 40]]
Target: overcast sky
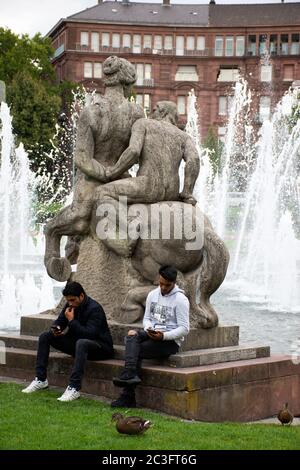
[[31, 16]]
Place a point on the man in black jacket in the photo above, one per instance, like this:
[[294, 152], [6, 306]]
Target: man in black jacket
[[80, 330]]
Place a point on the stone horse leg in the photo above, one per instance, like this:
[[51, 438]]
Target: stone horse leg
[[72, 220]]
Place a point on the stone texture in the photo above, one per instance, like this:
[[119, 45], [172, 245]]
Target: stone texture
[[212, 393]]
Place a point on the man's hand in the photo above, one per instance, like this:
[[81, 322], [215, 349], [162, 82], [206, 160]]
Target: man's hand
[[155, 335], [69, 313]]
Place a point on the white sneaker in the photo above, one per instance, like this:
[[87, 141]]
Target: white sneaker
[[36, 385], [69, 394]]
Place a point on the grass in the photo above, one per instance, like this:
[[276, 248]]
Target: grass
[[39, 421]]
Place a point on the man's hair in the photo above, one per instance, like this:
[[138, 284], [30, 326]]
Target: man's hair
[[73, 288], [168, 111], [169, 273]]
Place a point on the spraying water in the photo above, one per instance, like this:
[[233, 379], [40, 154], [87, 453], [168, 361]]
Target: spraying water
[[21, 268], [267, 257]]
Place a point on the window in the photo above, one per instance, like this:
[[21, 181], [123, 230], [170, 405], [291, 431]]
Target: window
[[181, 107], [200, 43], [266, 73], [144, 101], [251, 50], [137, 42], [179, 45], [186, 73], [222, 133], [126, 40], [116, 40], [190, 43], [168, 43], [229, 46], [222, 105], [218, 46], [225, 104], [228, 74], [157, 43], [143, 72], [273, 44], [148, 72], [284, 44], [264, 108], [84, 39], [140, 74], [88, 70], [95, 42], [147, 41], [288, 73], [147, 102], [97, 70], [262, 44], [105, 39], [295, 44], [240, 46], [139, 99]]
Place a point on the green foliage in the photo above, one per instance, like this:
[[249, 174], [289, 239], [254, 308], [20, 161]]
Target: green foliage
[[34, 110], [37, 421], [215, 147]]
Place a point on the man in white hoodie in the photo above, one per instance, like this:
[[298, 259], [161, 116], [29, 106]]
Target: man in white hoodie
[[166, 323]]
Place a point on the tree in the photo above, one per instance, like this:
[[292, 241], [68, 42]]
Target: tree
[[215, 147]]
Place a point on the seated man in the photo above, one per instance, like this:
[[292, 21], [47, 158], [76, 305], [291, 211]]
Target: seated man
[[80, 330], [166, 322]]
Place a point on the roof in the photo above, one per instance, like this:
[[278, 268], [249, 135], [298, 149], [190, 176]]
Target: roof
[[145, 13], [260, 14], [189, 15]]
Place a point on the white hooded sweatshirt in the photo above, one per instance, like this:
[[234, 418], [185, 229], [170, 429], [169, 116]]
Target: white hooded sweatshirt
[[168, 313]]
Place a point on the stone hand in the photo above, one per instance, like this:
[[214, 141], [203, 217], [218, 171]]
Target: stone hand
[[69, 313]]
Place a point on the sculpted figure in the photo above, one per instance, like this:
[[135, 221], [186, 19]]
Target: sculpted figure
[[103, 134], [159, 147]]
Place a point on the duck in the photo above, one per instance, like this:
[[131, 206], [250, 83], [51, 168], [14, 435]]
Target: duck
[[285, 416], [130, 424]]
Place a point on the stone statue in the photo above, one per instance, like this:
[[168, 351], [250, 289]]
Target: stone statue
[[159, 147], [120, 271], [103, 134]]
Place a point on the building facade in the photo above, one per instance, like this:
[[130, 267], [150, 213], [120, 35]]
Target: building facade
[[176, 48]]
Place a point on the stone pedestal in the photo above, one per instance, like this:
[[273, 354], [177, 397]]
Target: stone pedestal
[[213, 378]]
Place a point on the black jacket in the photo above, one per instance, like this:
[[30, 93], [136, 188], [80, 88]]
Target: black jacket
[[89, 323]]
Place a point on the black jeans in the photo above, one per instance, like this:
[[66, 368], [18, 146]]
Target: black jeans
[[140, 346], [81, 350]]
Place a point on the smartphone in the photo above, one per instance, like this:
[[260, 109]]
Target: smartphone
[[56, 328]]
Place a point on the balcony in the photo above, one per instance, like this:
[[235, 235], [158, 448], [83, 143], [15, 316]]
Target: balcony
[[145, 82]]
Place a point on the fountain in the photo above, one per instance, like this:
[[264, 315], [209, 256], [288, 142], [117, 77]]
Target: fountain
[[262, 287], [24, 285]]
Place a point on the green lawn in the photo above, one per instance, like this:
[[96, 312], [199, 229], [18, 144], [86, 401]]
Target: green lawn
[[39, 421]]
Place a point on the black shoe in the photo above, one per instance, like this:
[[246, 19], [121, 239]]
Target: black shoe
[[124, 402], [127, 377]]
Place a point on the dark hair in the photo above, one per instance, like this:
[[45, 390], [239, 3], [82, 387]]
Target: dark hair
[[169, 273], [73, 288]]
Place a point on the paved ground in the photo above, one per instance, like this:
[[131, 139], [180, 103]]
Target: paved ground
[[271, 420]]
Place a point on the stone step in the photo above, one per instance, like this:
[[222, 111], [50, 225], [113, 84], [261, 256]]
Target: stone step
[[192, 358], [243, 390], [218, 337]]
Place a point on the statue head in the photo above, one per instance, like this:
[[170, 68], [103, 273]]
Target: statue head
[[118, 71], [167, 111]]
